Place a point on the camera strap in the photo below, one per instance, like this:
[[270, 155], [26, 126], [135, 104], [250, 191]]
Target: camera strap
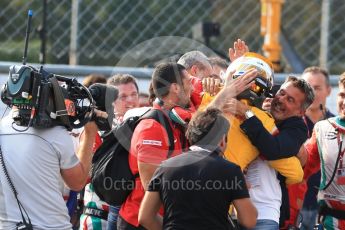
[[28, 224], [60, 106]]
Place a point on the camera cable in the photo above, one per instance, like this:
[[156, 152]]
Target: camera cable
[[24, 224]]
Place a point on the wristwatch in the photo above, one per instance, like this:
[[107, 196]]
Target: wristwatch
[[248, 114]]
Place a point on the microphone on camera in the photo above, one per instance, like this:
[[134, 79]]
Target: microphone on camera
[[104, 95]]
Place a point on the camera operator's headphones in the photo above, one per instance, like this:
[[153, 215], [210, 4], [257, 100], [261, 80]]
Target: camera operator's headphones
[[177, 114]]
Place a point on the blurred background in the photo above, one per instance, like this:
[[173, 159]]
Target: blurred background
[[77, 37]]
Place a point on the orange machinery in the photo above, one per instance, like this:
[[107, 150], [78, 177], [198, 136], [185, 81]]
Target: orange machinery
[[270, 29]]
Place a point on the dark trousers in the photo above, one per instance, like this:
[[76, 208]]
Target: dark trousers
[[124, 225]]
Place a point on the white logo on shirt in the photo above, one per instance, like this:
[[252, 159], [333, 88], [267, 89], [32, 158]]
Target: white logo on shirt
[[152, 142]]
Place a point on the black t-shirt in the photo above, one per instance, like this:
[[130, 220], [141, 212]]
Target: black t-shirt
[[196, 189]]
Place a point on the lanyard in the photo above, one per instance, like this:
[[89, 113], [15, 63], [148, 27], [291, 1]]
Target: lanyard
[[340, 155], [306, 124], [341, 152]]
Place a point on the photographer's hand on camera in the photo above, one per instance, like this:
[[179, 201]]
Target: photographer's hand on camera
[[100, 114], [104, 96]]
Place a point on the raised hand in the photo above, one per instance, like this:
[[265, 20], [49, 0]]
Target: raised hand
[[233, 87], [238, 50]]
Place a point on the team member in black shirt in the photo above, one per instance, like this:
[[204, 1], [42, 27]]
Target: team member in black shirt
[[197, 187]]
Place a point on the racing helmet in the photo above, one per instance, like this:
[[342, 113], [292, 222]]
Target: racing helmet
[[262, 84]]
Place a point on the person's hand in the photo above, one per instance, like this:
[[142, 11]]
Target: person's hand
[[235, 107], [249, 186], [87, 138], [238, 50], [302, 155], [266, 105], [211, 85], [233, 87], [100, 113]]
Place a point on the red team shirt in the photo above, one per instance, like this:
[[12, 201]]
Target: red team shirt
[[149, 145]]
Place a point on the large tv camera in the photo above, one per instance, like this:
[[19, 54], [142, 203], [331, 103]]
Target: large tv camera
[[40, 99]]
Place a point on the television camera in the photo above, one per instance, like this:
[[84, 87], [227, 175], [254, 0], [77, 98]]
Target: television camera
[[40, 99]]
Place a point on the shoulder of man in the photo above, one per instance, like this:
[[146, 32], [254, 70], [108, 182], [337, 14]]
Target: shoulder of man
[[266, 119], [329, 113], [51, 133], [293, 122], [150, 132]]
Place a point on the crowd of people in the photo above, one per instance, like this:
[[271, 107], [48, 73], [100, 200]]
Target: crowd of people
[[236, 163]]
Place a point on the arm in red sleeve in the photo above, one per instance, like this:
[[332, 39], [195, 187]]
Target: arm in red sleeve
[[313, 163]]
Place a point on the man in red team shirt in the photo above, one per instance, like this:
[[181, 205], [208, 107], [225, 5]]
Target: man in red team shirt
[[149, 145]]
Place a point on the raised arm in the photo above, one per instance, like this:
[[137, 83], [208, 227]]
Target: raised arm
[[75, 178], [238, 50]]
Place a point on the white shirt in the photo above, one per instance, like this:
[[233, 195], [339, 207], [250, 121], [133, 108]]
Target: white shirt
[[265, 191], [34, 159]]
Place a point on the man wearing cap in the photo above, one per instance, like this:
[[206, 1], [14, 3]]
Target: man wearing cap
[[197, 187]]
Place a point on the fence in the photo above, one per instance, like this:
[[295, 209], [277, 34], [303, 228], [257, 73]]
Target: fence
[[103, 32]]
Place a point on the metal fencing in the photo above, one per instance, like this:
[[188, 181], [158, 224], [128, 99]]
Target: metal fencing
[[102, 32]]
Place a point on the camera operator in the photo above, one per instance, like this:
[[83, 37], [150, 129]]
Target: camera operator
[[39, 162]]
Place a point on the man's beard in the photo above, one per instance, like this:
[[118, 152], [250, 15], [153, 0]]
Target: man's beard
[[183, 103]]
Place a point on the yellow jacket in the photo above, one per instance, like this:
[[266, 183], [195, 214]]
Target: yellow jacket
[[241, 151]]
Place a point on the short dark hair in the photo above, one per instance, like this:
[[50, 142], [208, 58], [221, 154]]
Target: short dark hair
[[152, 95], [342, 79], [316, 70], [206, 128], [94, 78], [217, 61], [144, 95], [164, 75], [121, 79], [304, 87]]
